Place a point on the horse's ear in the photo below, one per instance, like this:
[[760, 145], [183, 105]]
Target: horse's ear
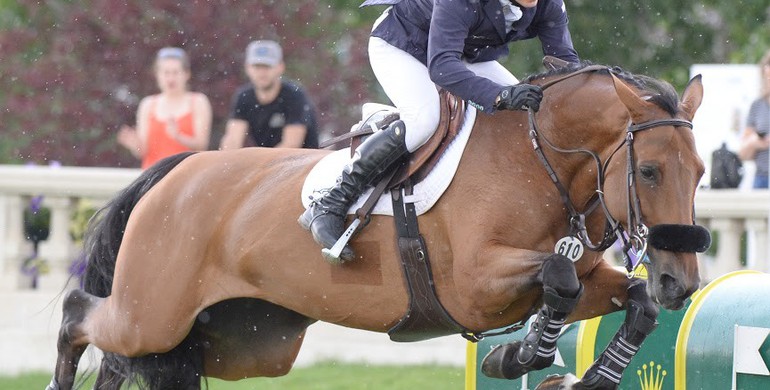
[[640, 109], [692, 96]]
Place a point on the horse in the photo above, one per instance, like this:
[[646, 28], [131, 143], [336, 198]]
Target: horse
[[199, 269]]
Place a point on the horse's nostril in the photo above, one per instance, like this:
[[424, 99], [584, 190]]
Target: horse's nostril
[[671, 286]]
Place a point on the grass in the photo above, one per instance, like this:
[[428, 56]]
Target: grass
[[322, 376]]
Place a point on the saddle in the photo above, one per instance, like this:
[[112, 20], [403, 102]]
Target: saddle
[[422, 161]]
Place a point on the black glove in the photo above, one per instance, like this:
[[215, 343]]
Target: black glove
[[520, 97]]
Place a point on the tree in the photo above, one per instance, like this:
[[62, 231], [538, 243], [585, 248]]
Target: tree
[[72, 72], [76, 70]]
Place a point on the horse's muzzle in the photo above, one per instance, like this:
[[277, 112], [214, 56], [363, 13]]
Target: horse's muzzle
[[680, 238]]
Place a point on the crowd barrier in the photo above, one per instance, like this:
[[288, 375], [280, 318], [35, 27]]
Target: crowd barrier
[[718, 341]]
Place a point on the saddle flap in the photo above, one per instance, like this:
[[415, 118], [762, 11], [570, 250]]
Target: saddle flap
[[422, 161]]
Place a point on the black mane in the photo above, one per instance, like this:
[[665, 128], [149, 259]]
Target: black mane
[[660, 92]]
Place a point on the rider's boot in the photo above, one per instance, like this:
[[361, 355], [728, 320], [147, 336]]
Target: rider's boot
[[607, 370], [325, 217], [538, 348]]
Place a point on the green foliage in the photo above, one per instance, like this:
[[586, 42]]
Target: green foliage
[[74, 71], [77, 69]]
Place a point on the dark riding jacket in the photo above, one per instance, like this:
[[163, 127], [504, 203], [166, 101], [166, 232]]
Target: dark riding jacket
[[444, 33]]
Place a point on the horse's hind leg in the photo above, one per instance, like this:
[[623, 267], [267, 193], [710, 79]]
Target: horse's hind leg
[[641, 313], [71, 344], [562, 289]]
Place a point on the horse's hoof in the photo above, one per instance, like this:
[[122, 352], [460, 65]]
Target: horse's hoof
[[53, 385], [559, 382], [498, 361]]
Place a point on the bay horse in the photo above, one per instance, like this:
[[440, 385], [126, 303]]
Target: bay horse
[[199, 269]]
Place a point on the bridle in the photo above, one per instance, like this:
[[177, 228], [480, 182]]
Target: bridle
[[636, 238]]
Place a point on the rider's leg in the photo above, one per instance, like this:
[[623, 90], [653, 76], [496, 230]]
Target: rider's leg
[[326, 215], [408, 84], [562, 289], [641, 313]]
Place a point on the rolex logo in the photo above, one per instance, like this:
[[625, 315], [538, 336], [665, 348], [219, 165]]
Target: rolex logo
[[651, 376]]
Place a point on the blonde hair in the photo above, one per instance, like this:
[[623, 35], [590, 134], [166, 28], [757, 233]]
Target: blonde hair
[[764, 66]]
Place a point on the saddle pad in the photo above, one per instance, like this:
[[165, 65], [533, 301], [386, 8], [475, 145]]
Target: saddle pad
[[426, 193]]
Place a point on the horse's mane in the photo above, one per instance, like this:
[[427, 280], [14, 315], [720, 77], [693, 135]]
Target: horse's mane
[[660, 92]]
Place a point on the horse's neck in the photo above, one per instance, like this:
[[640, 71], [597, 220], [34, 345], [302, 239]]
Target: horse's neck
[[502, 140]]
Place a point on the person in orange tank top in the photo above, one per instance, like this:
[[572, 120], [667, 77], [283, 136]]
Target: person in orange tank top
[[173, 121]]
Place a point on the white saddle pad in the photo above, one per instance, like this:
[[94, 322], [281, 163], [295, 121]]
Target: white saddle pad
[[426, 193]]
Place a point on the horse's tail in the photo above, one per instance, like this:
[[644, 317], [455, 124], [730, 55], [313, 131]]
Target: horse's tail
[[106, 230], [182, 366]]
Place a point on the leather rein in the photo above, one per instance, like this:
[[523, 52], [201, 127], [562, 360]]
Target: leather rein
[[638, 233]]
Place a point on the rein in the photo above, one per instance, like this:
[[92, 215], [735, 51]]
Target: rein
[[637, 236]]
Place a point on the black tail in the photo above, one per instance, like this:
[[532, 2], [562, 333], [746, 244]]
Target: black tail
[[179, 368]]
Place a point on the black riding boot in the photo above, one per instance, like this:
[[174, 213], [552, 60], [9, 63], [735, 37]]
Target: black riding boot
[[325, 217], [538, 349], [607, 370]]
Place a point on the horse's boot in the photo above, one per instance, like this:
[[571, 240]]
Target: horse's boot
[[607, 370], [538, 348], [325, 217]]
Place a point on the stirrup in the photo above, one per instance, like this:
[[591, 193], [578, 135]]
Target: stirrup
[[333, 255]]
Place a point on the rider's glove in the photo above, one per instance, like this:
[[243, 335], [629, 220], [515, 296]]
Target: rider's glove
[[520, 97]]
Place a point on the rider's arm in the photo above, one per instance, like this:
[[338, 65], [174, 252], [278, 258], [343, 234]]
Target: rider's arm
[[553, 31], [450, 25]]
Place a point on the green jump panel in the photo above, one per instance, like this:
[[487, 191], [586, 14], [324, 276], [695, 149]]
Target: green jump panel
[[723, 341], [580, 344]]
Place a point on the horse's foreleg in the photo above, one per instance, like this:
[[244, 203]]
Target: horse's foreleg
[[71, 343], [607, 370], [562, 289]]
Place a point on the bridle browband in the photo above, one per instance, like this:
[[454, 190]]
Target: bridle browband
[[636, 237]]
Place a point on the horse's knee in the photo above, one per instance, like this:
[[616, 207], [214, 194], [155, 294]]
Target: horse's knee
[[558, 273]]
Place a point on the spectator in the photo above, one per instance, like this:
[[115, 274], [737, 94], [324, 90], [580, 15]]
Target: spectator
[[272, 111], [755, 141], [173, 121]]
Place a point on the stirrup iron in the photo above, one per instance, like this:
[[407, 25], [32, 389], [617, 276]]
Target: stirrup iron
[[333, 255]]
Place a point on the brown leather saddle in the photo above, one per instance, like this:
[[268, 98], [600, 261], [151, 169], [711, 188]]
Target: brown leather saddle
[[422, 161]]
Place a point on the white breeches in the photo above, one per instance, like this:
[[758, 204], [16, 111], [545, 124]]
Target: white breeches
[[408, 85]]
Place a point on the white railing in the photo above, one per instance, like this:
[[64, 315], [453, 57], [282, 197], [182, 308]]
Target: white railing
[[62, 188], [732, 214]]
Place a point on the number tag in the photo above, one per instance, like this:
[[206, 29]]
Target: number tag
[[570, 247]]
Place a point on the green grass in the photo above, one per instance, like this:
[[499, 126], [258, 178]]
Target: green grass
[[325, 376]]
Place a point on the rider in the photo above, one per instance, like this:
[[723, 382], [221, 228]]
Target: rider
[[417, 45]]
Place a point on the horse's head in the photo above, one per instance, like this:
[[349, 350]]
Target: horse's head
[[651, 187]]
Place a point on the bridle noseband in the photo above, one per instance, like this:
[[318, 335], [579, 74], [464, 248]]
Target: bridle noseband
[[637, 236]]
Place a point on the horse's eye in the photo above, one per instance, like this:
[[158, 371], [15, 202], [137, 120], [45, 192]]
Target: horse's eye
[[649, 173]]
